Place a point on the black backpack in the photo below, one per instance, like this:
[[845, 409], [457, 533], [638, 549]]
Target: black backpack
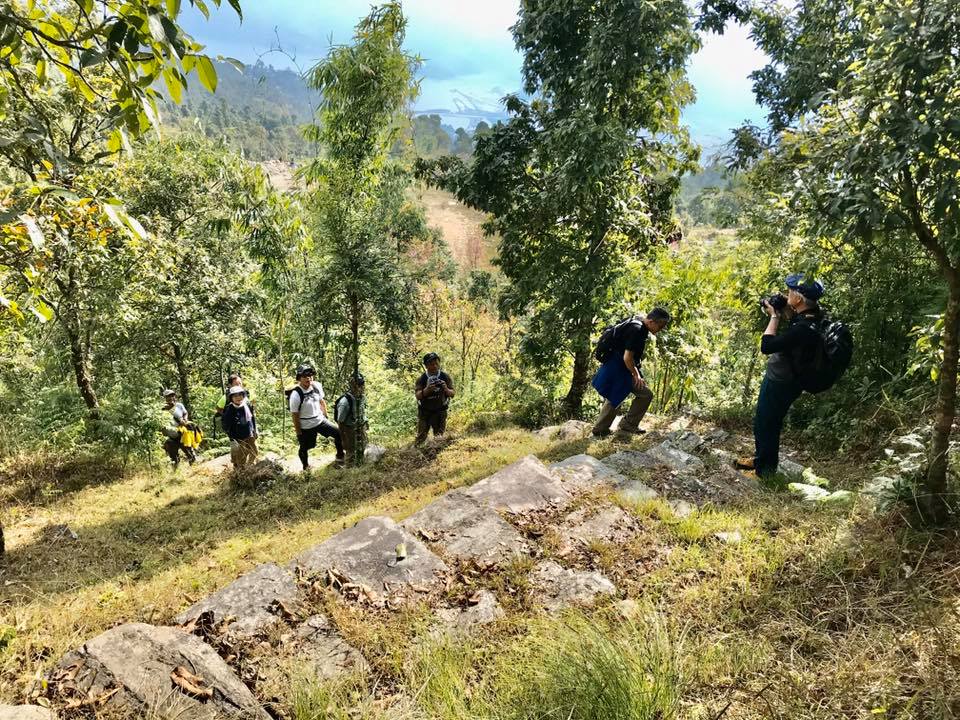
[[609, 336], [831, 359]]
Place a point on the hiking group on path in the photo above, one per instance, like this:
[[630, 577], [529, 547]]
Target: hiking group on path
[[306, 402], [808, 356]]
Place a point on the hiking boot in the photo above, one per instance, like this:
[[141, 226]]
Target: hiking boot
[[632, 431], [744, 463], [750, 475], [601, 433]]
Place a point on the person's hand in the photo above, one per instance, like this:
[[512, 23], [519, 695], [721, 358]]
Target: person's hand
[[771, 310], [639, 383]]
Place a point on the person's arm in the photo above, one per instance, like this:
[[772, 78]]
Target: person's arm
[[629, 359], [420, 391], [323, 407], [794, 337], [295, 412], [448, 389]]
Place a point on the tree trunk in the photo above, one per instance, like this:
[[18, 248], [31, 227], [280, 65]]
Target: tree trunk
[[355, 350], [934, 492], [573, 402], [182, 379], [81, 367]]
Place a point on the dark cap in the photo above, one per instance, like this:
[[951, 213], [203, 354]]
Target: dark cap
[[430, 357], [810, 289], [305, 369], [358, 379]]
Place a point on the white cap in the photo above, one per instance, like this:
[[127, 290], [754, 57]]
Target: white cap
[[236, 390]]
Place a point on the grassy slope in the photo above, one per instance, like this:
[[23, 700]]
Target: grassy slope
[[814, 614]]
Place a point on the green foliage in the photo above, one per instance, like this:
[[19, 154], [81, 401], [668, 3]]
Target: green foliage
[[572, 190]]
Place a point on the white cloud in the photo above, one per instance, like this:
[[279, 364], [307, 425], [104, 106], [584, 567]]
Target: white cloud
[[486, 19]]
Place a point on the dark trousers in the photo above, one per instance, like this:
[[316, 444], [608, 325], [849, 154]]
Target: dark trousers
[[428, 420], [308, 440], [776, 397]]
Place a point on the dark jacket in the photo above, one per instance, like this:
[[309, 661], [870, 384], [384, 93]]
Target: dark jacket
[[794, 348], [235, 423]]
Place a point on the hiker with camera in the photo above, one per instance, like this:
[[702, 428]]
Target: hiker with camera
[[621, 349], [809, 355], [308, 408], [433, 391]]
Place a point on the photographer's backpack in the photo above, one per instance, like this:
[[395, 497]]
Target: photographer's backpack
[[832, 358], [609, 335]]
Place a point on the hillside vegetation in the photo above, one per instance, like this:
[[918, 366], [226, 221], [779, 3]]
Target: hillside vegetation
[[180, 239]]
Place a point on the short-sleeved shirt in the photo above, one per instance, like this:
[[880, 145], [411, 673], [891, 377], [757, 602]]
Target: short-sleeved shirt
[[436, 401], [311, 414], [634, 338], [179, 413]]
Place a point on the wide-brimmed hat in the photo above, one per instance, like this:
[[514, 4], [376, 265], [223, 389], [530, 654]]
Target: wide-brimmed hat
[[236, 390]]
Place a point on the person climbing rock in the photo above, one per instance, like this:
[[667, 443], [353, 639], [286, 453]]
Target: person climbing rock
[[350, 412], [240, 425], [309, 411], [433, 391], [620, 373], [788, 351]]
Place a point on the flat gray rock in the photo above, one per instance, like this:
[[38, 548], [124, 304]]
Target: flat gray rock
[[523, 486], [484, 611], [685, 440], [674, 458], [570, 430], [320, 646], [809, 493], [251, 599], [909, 443], [582, 472], [25, 712], [635, 491], [374, 453], [791, 469], [716, 435], [367, 554], [467, 528], [607, 523], [629, 460], [139, 660], [558, 587]]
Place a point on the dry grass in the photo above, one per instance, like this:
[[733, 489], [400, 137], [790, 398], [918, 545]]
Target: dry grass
[[815, 614]]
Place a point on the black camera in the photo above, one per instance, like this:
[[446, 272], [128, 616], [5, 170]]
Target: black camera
[[778, 302]]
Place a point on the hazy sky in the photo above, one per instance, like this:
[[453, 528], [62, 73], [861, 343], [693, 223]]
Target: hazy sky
[[467, 48]]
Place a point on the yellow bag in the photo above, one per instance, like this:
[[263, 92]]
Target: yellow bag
[[191, 436]]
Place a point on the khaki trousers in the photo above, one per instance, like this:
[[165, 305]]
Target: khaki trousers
[[243, 452], [638, 408]]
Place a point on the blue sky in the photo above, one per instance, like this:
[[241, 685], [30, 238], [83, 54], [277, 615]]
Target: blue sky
[[467, 50]]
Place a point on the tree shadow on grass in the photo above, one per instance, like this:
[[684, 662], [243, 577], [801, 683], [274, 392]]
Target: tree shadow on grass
[[141, 545], [43, 478]]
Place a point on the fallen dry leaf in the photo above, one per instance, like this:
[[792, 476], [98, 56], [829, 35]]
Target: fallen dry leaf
[[192, 685]]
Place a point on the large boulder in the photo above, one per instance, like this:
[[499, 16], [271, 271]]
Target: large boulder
[[140, 670], [674, 458], [557, 587], [367, 554], [582, 472], [791, 469], [523, 486], [467, 528], [255, 601]]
